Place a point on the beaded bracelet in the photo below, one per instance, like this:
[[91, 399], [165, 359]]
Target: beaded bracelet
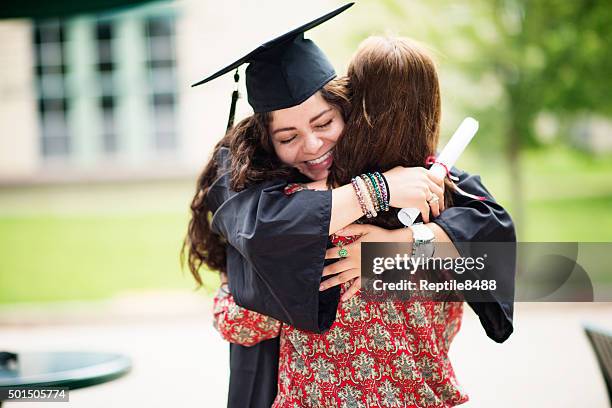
[[359, 194], [367, 198], [374, 189], [384, 179], [379, 198], [383, 189], [371, 191]]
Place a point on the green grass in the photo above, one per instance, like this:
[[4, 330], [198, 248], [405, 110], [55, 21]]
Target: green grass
[[49, 258], [551, 174], [581, 219]]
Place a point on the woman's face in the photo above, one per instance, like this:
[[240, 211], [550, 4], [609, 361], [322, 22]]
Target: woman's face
[[304, 136]]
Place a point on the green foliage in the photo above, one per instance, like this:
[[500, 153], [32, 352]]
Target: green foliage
[[523, 57], [547, 55], [573, 219]]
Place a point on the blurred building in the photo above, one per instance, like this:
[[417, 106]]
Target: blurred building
[[92, 96], [107, 96]]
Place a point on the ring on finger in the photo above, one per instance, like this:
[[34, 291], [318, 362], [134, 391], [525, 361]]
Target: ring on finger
[[433, 198], [342, 252]]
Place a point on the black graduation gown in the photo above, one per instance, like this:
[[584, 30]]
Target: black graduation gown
[[276, 249], [277, 246], [253, 374]]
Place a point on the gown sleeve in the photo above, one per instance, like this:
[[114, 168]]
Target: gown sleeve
[[470, 220], [239, 325], [276, 249]]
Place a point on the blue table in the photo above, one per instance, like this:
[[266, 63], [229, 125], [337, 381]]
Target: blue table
[[62, 369]]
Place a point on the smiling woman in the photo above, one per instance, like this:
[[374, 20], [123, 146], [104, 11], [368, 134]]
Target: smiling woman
[[304, 136]]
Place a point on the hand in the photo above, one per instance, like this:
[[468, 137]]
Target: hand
[[349, 268], [412, 187]]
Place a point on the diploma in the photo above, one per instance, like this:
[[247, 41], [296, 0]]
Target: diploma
[[445, 161], [455, 147]]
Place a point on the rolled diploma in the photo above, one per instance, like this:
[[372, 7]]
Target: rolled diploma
[[455, 146], [448, 157]]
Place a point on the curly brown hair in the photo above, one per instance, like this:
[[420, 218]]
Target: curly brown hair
[[253, 160]]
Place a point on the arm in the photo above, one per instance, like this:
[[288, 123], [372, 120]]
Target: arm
[[468, 221], [410, 187], [349, 268], [238, 325]]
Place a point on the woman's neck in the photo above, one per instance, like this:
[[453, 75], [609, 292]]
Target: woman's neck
[[318, 185]]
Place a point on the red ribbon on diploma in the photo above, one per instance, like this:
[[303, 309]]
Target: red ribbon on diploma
[[431, 160]]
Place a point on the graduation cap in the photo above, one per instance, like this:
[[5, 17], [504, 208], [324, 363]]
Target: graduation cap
[[283, 72]]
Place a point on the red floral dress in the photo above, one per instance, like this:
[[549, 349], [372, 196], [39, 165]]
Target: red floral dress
[[376, 354]]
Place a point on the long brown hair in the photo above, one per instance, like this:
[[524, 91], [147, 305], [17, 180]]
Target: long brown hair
[[395, 115], [253, 160]]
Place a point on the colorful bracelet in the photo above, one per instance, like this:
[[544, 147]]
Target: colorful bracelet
[[367, 197], [359, 194], [384, 190], [371, 191], [379, 198]]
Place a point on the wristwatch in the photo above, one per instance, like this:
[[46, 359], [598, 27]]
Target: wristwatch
[[423, 240]]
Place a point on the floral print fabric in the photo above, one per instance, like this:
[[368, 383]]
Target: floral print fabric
[[239, 325], [383, 354]]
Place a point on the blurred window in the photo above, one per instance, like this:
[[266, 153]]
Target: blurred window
[[161, 64], [94, 80], [49, 40], [104, 38]]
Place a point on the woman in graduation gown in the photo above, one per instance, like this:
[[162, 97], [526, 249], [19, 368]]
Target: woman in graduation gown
[[275, 245]]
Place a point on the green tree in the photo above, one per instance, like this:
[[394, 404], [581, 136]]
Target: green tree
[[548, 56]]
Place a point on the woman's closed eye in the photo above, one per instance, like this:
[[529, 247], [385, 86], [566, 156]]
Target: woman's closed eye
[[324, 125], [289, 140], [321, 126]]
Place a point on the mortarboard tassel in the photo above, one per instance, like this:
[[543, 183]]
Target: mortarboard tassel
[[235, 96]]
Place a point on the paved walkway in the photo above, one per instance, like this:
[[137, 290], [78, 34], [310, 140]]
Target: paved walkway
[[547, 362], [180, 361]]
